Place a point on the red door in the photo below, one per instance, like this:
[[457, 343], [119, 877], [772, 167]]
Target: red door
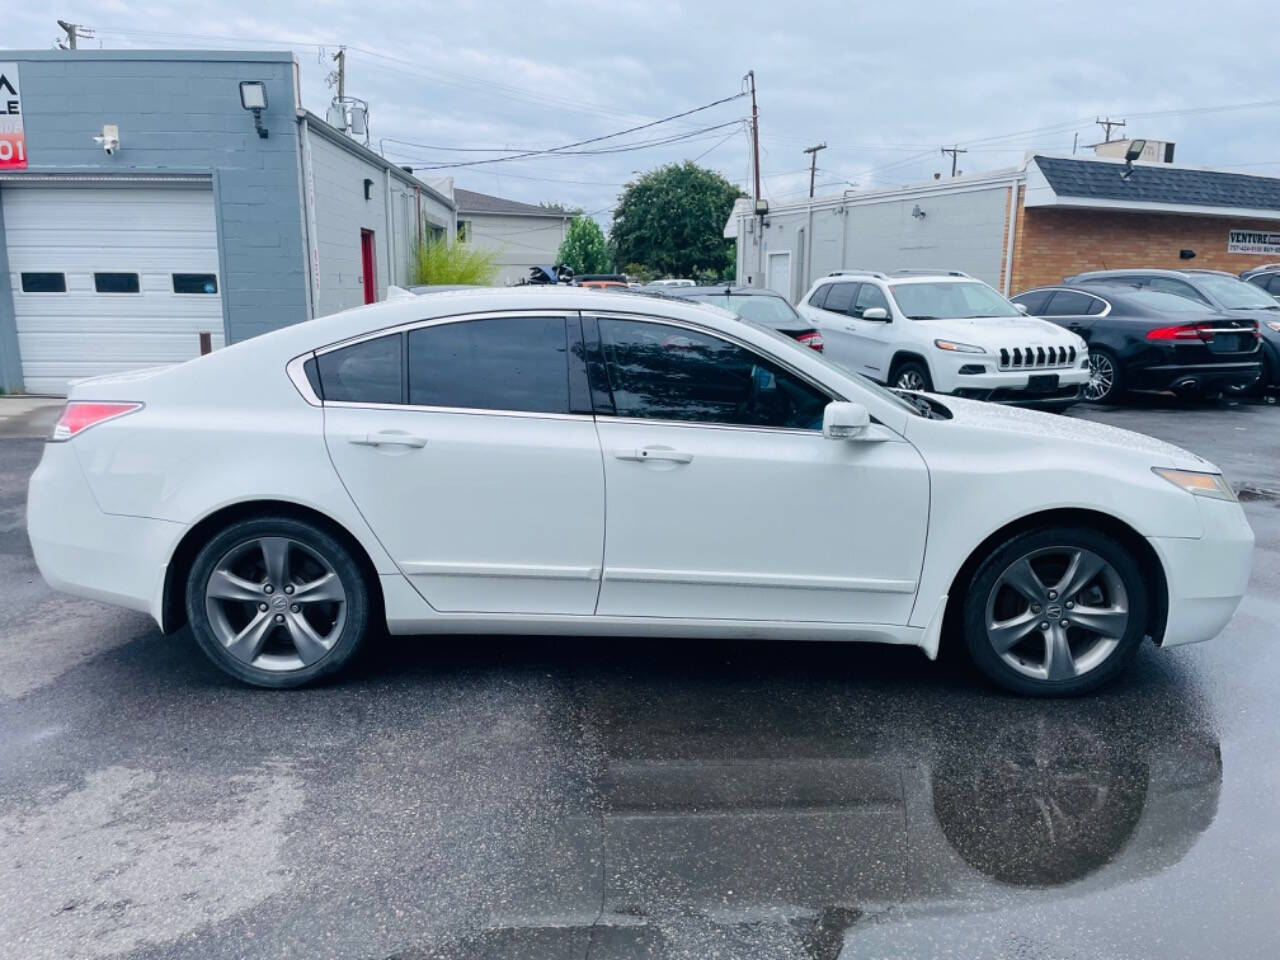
[[369, 266]]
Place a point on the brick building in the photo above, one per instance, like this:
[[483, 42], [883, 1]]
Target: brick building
[[1070, 214]]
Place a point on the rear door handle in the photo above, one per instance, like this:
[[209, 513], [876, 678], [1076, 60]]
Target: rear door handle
[[387, 438], [654, 453]]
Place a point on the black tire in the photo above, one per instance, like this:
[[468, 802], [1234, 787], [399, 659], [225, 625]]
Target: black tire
[[911, 367], [1117, 388], [990, 572], [309, 538]]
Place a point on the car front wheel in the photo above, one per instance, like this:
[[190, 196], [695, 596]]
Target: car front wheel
[[911, 375], [1055, 612], [277, 602]]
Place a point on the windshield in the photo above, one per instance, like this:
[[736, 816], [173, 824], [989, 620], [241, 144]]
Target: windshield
[[950, 300], [1236, 294], [882, 392], [770, 311]]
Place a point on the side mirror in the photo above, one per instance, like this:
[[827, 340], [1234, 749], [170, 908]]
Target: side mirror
[[876, 313], [1021, 308], [844, 421]]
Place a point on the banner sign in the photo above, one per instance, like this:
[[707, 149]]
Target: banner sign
[[1253, 241], [13, 142]]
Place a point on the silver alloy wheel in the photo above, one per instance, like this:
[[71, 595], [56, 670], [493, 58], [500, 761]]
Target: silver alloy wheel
[[274, 603], [910, 379], [1102, 377], [1057, 613]]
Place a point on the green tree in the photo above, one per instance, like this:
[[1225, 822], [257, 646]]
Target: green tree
[[672, 220], [583, 249]]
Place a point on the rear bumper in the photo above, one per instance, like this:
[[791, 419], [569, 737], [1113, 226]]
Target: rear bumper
[[1207, 577], [1196, 377], [81, 550]]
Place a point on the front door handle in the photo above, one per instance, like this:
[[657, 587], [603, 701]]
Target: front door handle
[[654, 453], [387, 438]]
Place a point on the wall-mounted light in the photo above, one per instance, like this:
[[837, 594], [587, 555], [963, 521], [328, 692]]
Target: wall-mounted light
[[368, 189], [1186, 254], [253, 96], [917, 212], [762, 207]]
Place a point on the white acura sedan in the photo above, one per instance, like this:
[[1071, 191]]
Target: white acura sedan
[[560, 461]]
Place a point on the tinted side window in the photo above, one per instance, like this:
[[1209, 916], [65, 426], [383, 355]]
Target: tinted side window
[[1273, 283], [44, 283], [660, 372], [869, 295], [840, 298], [1068, 303], [1096, 306], [1034, 301], [503, 363], [820, 295], [366, 372]]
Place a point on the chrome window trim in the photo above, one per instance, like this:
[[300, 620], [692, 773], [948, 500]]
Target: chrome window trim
[[298, 376], [437, 321], [1106, 304], [473, 411]]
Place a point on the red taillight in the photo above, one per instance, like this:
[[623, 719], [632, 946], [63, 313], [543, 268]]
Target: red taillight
[[812, 340], [1183, 332], [80, 415]]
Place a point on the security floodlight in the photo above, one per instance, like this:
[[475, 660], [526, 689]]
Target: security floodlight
[[1135, 150], [253, 96], [762, 207]]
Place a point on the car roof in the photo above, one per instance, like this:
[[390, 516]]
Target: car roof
[[897, 277], [724, 289], [1135, 272]]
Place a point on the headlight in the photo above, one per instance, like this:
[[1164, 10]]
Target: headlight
[[1201, 484], [1274, 325], [954, 347]]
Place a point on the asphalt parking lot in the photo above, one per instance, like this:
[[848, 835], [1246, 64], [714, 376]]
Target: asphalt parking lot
[[549, 798]]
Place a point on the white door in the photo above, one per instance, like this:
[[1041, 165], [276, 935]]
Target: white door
[[107, 279], [779, 275], [485, 488], [869, 341], [726, 502]]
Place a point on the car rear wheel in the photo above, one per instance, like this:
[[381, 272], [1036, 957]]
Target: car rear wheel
[[1105, 383], [277, 602], [911, 375], [1055, 612]]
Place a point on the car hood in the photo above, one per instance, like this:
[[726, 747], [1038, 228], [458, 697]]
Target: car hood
[[1004, 332], [1057, 428]]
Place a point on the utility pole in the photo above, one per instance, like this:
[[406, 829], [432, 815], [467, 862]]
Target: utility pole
[[755, 131], [813, 163], [340, 58], [73, 31], [955, 153], [1107, 124]]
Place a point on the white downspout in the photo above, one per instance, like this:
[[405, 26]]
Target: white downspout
[[392, 280], [1008, 253]]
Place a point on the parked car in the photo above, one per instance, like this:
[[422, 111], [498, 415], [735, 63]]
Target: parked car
[[670, 282], [442, 464], [764, 307], [1143, 339], [944, 332], [1218, 291]]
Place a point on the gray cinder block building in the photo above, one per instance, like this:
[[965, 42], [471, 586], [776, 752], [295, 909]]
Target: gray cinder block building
[[148, 197]]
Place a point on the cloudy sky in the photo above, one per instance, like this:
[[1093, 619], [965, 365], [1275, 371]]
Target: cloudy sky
[[884, 85]]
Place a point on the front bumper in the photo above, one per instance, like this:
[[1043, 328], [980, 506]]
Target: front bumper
[[1207, 577], [954, 374], [79, 549]]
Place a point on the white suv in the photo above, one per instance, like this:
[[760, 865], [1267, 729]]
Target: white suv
[[944, 332]]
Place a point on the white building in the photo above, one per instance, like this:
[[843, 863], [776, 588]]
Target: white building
[[521, 234]]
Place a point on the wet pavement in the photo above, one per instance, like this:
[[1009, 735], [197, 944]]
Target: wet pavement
[[556, 798]]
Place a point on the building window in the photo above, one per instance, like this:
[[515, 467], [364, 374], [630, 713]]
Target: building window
[[115, 282], [464, 231], [202, 283], [44, 283]]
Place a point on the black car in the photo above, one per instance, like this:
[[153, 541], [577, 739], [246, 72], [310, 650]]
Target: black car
[[1214, 290], [1143, 339], [1266, 276], [763, 307]]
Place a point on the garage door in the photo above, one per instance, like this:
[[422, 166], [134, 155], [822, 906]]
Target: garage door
[[107, 279]]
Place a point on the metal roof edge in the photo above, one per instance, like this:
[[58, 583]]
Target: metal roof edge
[[222, 56], [337, 137]]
